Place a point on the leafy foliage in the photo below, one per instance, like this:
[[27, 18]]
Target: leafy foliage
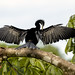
[[71, 42], [28, 66]]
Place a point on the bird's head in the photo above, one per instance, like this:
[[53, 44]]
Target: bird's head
[[39, 23]]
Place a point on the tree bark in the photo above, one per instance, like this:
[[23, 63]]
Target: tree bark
[[67, 67]]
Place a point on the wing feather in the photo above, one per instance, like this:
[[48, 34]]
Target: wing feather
[[56, 33], [11, 34]]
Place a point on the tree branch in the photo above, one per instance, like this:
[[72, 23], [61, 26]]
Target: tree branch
[[67, 67]]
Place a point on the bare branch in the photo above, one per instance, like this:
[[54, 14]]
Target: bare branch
[[67, 67]]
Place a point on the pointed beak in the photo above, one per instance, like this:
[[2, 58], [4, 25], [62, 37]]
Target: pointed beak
[[42, 27]]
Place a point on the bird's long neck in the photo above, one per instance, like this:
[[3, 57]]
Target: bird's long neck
[[38, 27]]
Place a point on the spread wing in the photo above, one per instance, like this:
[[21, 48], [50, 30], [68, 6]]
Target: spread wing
[[11, 34], [56, 33]]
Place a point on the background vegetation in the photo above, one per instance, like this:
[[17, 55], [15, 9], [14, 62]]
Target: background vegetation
[[70, 47]]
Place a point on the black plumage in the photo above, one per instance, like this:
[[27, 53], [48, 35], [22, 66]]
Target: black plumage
[[11, 34]]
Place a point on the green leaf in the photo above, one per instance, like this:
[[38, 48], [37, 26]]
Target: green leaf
[[2, 73], [21, 62], [73, 59], [29, 71], [40, 65], [68, 46], [0, 70], [52, 70], [35, 72], [70, 42], [48, 72], [27, 61], [70, 25], [58, 71], [5, 67], [13, 72], [13, 60], [32, 61], [73, 48], [9, 73]]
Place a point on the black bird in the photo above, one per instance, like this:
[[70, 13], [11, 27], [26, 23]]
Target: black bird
[[11, 34]]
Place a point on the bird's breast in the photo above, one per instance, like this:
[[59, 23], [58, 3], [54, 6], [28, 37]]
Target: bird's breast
[[33, 36]]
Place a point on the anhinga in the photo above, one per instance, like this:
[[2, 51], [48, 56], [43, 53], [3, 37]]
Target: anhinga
[[11, 34]]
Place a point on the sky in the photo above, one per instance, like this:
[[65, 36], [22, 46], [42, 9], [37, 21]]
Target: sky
[[24, 13]]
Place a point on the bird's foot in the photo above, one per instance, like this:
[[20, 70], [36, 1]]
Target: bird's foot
[[29, 45]]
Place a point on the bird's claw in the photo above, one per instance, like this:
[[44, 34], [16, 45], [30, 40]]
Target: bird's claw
[[29, 45]]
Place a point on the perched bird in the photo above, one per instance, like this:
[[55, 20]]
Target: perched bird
[[11, 34]]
